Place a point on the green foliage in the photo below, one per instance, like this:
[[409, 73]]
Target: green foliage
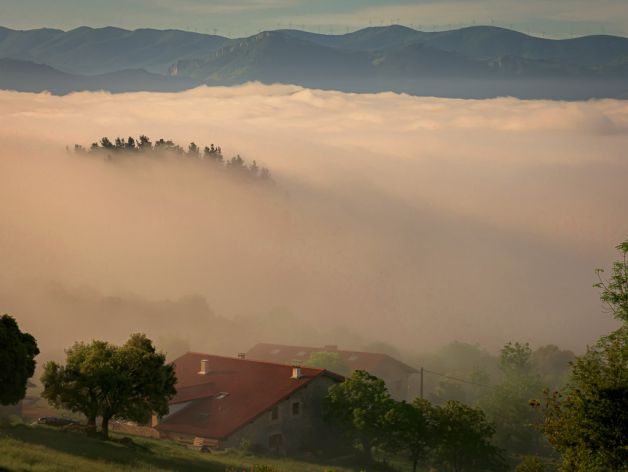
[[507, 404], [615, 289], [514, 360], [532, 464], [77, 385], [99, 379], [331, 361], [17, 360], [245, 445], [464, 440], [587, 422], [455, 437], [412, 430], [143, 146], [255, 468], [359, 406], [150, 382]]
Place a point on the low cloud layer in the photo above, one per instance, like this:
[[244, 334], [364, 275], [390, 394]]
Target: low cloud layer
[[413, 221]]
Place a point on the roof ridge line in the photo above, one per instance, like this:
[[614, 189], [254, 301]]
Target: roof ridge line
[[318, 369]]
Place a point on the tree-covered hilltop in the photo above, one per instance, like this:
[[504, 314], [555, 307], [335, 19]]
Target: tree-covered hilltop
[[143, 146]]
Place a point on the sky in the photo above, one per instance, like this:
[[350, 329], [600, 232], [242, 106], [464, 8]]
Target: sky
[[235, 18], [409, 220]]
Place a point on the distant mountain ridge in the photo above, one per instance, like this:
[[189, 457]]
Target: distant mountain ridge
[[98, 51], [471, 52], [476, 62], [26, 76]]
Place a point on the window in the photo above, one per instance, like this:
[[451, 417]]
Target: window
[[274, 413], [296, 408]]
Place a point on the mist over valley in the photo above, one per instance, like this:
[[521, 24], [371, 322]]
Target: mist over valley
[[260, 235], [413, 221]]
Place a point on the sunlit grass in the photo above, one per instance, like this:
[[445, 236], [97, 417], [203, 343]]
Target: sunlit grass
[[44, 449]]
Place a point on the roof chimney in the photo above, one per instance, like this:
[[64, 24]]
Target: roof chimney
[[204, 367], [241, 355], [296, 372]]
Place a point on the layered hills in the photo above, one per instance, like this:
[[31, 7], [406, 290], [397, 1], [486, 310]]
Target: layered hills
[[473, 62]]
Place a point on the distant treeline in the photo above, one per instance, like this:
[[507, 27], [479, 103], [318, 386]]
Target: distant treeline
[[143, 146]]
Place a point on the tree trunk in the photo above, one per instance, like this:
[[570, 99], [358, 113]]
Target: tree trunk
[[415, 464], [105, 427], [366, 446], [91, 424]]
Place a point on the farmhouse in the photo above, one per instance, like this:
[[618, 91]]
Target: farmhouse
[[395, 373], [225, 402]]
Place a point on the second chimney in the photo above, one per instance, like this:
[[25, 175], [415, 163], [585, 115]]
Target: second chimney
[[204, 367], [296, 372]]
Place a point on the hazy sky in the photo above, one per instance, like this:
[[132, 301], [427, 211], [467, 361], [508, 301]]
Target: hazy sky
[[555, 18], [403, 219]]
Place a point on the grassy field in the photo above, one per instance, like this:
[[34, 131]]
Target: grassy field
[[45, 449]]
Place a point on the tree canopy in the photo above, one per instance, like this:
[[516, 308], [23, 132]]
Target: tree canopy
[[587, 422], [464, 440], [212, 154], [615, 289], [17, 360], [100, 379], [412, 429], [507, 404], [454, 436], [359, 405]]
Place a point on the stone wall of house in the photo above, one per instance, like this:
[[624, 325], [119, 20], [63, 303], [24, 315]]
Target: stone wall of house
[[289, 428]]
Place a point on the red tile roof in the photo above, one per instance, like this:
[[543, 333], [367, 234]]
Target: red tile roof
[[372, 362], [231, 395]]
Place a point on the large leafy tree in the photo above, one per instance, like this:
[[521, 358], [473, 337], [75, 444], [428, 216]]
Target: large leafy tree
[[103, 380], [464, 440], [152, 381], [587, 422], [359, 405], [17, 360], [507, 404], [412, 430], [78, 386]]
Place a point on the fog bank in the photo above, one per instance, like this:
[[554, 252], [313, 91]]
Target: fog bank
[[412, 221]]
